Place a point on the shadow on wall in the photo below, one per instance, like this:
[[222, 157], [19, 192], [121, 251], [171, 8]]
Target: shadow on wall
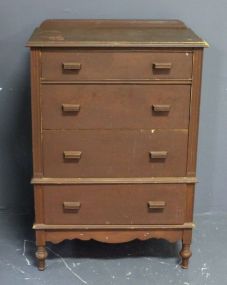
[[208, 129], [16, 160]]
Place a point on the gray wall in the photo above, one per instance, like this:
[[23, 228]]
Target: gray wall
[[19, 18]]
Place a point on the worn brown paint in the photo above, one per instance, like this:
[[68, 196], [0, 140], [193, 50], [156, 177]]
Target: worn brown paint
[[114, 153], [115, 108], [131, 180], [113, 227], [97, 207], [111, 64]]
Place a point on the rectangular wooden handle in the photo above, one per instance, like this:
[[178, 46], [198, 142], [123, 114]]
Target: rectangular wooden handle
[[70, 107], [72, 154], [161, 108], [71, 65], [162, 65], [156, 204], [158, 154], [71, 206]]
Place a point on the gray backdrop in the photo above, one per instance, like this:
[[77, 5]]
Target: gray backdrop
[[17, 21]]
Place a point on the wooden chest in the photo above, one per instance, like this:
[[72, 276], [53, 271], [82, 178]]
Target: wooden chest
[[115, 108]]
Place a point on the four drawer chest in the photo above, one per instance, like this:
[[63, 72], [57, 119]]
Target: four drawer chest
[[115, 109]]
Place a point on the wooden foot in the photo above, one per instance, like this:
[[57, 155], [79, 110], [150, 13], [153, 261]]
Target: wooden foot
[[185, 254], [41, 255]]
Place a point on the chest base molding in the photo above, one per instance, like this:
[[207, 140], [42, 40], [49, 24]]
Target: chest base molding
[[112, 227], [133, 180]]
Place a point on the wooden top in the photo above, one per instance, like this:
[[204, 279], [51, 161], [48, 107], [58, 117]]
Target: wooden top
[[114, 33]]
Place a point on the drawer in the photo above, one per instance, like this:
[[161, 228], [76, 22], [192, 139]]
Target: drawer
[[118, 153], [114, 204], [115, 106], [73, 64]]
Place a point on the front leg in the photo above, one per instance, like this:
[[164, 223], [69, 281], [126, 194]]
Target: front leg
[[41, 255], [185, 254], [185, 251]]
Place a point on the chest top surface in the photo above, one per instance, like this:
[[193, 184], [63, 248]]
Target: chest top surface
[[114, 33]]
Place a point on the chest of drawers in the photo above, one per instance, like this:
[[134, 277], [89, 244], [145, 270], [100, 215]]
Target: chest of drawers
[[115, 108]]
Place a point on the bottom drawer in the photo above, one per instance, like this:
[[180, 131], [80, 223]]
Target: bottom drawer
[[114, 204]]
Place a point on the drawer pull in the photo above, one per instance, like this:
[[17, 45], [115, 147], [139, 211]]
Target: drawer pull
[[72, 154], [162, 65], [158, 154], [70, 107], [71, 206], [160, 108], [71, 66], [156, 204]]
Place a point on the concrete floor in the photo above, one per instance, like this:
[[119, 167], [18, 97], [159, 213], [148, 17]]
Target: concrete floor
[[136, 263]]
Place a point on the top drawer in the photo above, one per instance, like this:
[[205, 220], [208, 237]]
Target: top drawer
[[72, 64]]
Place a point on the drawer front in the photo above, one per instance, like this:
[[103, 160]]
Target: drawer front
[[119, 153], [115, 204], [115, 106], [96, 65]]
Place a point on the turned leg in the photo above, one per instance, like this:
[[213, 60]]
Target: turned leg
[[41, 255], [185, 252]]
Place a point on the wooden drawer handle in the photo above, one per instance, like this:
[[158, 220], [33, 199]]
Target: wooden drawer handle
[[162, 65], [158, 154], [70, 107], [71, 206], [72, 154], [156, 204], [71, 65], [160, 108]]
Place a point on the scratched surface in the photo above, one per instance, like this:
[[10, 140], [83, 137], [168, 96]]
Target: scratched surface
[[77, 262]]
